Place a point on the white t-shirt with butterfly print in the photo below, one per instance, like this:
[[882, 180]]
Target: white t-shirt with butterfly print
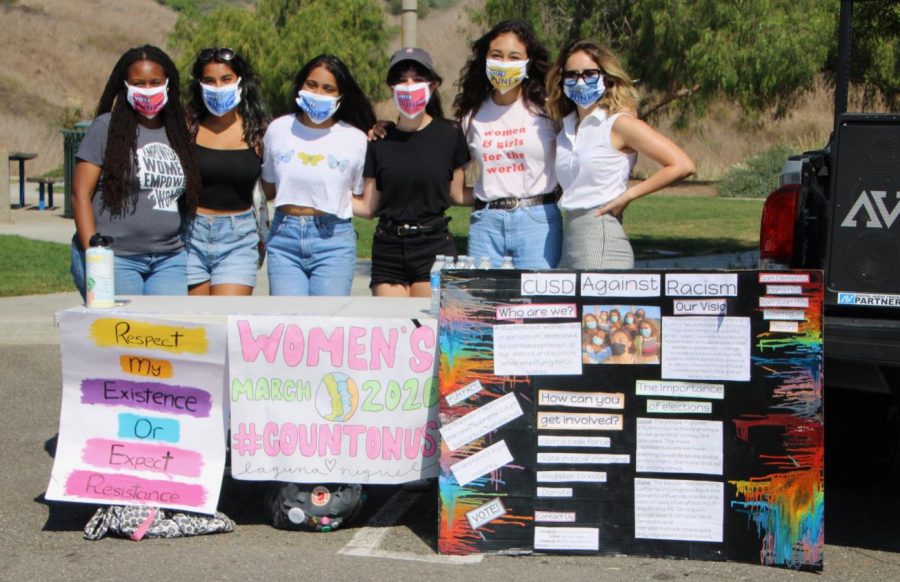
[[317, 168]]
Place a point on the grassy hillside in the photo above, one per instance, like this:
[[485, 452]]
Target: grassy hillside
[[57, 55]]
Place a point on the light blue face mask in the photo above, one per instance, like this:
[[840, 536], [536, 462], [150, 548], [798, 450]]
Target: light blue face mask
[[585, 95], [221, 100], [319, 108]]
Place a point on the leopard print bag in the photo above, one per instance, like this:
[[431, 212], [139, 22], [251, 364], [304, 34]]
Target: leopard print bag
[[137, 523]]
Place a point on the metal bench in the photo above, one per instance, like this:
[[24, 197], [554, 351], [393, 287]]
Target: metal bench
[[43, 182], [21, 157]]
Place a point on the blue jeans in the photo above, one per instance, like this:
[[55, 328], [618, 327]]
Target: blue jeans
[[162, 274], [311, 255], [532, 236]]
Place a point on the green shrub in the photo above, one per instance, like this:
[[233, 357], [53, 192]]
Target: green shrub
[[756, 177]]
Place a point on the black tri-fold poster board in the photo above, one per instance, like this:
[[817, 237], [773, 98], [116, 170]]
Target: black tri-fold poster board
[[668, 414]]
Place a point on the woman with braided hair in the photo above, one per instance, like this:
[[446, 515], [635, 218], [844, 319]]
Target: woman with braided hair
[[136, 178]]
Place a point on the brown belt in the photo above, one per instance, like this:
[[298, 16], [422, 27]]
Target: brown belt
[[292, 210]]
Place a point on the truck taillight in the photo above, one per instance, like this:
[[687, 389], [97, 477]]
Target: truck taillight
[[776, 232]]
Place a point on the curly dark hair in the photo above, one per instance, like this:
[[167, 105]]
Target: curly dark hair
[[474, 85], [355, 108], [251, 108], [121, 141]]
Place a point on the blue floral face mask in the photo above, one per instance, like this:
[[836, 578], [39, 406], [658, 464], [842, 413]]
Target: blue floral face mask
[[319, 108], [221, 100], [583, 94]]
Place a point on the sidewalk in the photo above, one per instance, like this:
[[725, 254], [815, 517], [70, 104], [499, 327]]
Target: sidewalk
[[28, 320]]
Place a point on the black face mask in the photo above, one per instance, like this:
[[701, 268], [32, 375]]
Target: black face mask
[[617, 349]]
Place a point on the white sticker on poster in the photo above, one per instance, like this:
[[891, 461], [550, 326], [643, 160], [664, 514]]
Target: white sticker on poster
[[537, 349], [560, 492], [785, 314], [784, 326], [675, 389], [581, 399], [486, 513], [555, 516], [784, 289], [481, 463], [701, 285], [575, 421], [481, 421], [548, 284], [570, 476], [700, 306], [678, 407], [784, 277], [783, 301], [567, 538], [536, 311], [583, 458], [679, 446], [463, 393], [619, 285], [672, 509], [706, 348], [573, 441]]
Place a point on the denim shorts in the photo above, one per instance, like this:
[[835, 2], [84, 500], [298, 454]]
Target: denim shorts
[[223, 249], [404, 260]]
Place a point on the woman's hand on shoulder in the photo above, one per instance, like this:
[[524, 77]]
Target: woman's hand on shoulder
[[380, 129]]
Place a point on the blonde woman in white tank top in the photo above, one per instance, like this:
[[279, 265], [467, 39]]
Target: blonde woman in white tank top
[[593, 99]]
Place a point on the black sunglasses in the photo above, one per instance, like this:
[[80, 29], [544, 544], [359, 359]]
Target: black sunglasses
[[220, 54], [590, 76]]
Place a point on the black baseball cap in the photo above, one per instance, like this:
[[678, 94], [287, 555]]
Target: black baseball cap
[[412, 54]]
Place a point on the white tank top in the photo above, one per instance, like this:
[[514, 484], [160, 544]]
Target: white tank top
[[590, 170]]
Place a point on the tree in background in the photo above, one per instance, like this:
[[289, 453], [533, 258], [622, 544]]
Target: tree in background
[[280, 36], [685, 53]]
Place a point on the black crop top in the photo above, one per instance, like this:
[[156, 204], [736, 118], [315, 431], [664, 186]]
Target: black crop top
[[228, 177]]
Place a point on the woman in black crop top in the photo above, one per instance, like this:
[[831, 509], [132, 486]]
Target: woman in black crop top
[[228, 122]]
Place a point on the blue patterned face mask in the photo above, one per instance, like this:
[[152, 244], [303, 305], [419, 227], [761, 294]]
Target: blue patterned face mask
[[319, 108], [221, 100], [583, 94]]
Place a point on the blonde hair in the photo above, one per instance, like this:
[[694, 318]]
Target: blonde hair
[[620, 94]]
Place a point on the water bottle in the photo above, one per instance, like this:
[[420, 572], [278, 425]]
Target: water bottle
[[485, 263], [507, 263], [100, 280], [436, 284], [462, 262]]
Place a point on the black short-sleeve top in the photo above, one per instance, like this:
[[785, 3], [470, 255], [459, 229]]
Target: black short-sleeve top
[[413, 170]]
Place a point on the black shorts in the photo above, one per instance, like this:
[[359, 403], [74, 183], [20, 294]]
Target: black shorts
[[404, 260]]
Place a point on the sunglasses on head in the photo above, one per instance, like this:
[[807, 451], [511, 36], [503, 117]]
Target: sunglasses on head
[[590, 76], [220, 54]]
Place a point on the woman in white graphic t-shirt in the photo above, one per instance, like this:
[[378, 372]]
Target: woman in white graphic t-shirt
[[595, 101], [500, 106]]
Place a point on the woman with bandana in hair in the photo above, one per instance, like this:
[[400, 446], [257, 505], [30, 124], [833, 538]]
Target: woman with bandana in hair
[[500, 106], [595, 101], [313, 169], [412, 176], [136, 177], [227, 121]]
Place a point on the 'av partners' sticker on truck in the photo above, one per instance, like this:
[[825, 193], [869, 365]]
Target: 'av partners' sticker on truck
[[873, 299]]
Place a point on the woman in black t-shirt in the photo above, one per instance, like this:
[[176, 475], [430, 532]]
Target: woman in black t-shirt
[[412, 176]]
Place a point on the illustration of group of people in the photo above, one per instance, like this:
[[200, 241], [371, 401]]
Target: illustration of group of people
[[618, 334], [173, 183]]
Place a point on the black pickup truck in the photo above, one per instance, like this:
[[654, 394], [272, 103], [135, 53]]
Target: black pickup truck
[[838, 209]]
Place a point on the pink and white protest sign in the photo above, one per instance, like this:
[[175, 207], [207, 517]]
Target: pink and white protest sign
[[332, 399], [142, 412]]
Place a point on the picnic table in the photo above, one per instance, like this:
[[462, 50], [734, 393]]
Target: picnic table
[[21, 157]]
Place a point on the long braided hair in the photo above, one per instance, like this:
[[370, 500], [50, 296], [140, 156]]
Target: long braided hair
[[120, 160]]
